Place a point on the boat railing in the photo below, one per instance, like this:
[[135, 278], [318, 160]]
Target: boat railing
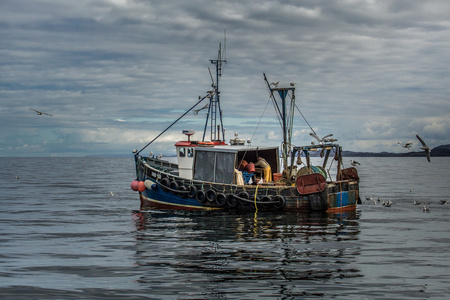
[[162, 163], [166, 169]]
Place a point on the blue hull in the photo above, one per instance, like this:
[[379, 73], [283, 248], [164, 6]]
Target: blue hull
[[330, 201], [155, 197]]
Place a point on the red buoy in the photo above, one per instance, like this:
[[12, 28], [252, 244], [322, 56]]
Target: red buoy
[[134, 185]]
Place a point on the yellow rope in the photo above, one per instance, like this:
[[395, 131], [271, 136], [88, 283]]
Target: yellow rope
[[255, 217], [256, 193]]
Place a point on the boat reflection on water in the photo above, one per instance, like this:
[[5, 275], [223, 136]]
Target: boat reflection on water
[[327, 226], [264, 251]]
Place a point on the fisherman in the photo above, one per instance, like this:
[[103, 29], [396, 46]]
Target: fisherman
[[261, 162]]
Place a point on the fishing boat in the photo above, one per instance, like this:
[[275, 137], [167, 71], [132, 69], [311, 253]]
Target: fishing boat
[[213, 174]]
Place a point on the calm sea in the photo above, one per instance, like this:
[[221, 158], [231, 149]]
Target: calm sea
[[70, 228]]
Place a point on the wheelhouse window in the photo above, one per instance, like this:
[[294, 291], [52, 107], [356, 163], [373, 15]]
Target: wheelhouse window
[[190, 152], [182, 152]]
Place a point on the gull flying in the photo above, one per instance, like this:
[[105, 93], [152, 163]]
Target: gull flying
[[39, 113], [325, 139], [424, 148], [195, 112], [406, 145], [275, 84]]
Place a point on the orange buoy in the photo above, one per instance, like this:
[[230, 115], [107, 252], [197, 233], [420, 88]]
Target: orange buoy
[[141, 186], [134, 185]]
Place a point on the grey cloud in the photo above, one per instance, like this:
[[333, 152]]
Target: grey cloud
[[358, 65]]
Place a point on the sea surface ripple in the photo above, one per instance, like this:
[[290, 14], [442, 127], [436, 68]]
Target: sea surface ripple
[[71, 228]]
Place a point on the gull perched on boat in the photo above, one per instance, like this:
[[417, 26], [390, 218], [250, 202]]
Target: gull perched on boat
[[354, 163], [275, 84], [321, 140], [424, 148], [39, 113]]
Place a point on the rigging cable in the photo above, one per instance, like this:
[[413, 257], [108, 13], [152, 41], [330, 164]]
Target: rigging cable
[[274, 102], [137, 153], [254, 132], [259, 122], [304, 118]]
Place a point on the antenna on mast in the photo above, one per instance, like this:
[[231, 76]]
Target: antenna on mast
[[225, 44], [214, 101], [212, 79]]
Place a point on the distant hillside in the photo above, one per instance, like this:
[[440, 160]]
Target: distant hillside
[[443, 150], [111, 155]]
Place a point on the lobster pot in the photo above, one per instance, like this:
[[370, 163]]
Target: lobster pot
[[277, 176], [250, 167]]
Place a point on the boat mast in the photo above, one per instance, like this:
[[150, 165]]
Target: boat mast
[[214, 101], [284, 114]]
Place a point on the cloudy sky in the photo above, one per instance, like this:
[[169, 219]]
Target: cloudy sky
[[115, 73]]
